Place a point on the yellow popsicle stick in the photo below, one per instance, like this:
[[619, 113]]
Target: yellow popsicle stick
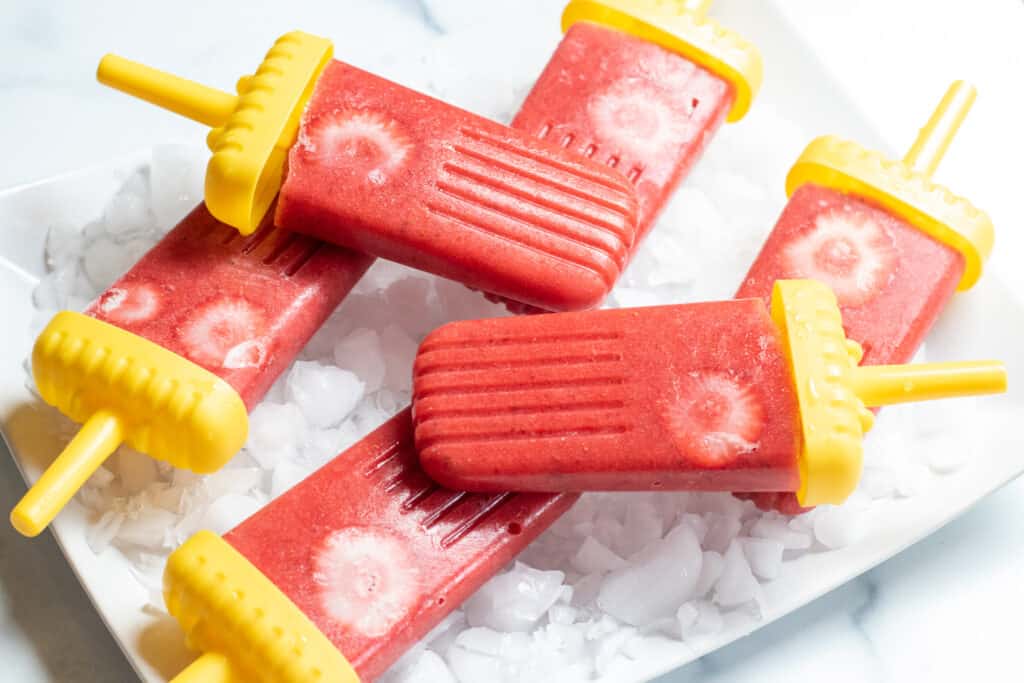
[[251, 131], [832, 390], [192, 100], [99, 437], [904, 187], [884, 385], [934, 139], [210, 667]]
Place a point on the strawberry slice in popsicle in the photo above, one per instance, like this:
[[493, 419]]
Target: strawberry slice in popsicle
[[344, 572], [174, 353], [365, 163], [893, 245], [721, 396]]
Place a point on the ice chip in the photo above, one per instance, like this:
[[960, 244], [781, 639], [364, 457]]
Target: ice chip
[[775, 527], [361, 352], [177, 174], [128, 213], [737, 585], [146, 528], [515, 600], [673, 564], [274, 431], [286, 475], [721, 532], [764, 556], [710, 571], [136, 471], [325, 394], [837, 526], [593, 557]]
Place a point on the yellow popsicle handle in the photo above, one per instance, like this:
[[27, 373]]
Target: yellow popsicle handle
[[882, 385], [99, 437], [933, 140], [208, 668], [192, 100]]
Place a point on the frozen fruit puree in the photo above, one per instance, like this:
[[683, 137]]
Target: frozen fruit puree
[[720, 396], [892, 245], [369, 549], [171, 356], [638, 86], [386, 170]]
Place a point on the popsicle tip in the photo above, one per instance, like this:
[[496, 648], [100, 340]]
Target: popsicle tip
[[24, 522]]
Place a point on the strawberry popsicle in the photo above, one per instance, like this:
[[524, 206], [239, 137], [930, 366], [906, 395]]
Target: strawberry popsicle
[[892, 245], [380, 168], [718, 396], [642, 86], [174, 353], [346, 570]]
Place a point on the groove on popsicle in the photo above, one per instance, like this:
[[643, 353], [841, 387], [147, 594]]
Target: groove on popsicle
[[251, 244], [609, 228], [570, 383], [459, 532], [282, 244], [442, 366], [558, 221], [634, 174], [425, 443], [562, 168], [544, 130], [431, 520], [415, 497], [521, 410], [444, 345], [487, 157], [303, 258], [468, 223], [392, 451]]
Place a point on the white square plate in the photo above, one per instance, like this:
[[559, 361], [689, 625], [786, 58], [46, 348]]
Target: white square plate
[[980, 324]]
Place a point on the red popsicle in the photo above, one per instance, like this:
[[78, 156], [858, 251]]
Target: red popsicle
[[892, 245], [380, 168], [368, 548], [170, 358], [711, 396]]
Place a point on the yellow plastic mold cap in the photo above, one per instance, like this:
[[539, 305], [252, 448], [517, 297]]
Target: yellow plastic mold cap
[[904, 187], [833, 392], [681, 26], [246, 628], [124, 388], [252, 131]]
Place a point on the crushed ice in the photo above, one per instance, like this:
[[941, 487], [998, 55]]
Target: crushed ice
[[620, 577]]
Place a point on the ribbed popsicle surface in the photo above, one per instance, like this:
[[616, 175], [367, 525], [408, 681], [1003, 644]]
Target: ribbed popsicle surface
[[616, 399], [403, 176]]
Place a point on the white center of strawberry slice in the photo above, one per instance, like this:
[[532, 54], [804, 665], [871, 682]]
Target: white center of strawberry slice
[[224, 333], [368, 579], [641, 122], [365, 141], [852, 254], [128, 304], [714, 418]]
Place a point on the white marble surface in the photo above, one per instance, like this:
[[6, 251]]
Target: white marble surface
[[945, 610]]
